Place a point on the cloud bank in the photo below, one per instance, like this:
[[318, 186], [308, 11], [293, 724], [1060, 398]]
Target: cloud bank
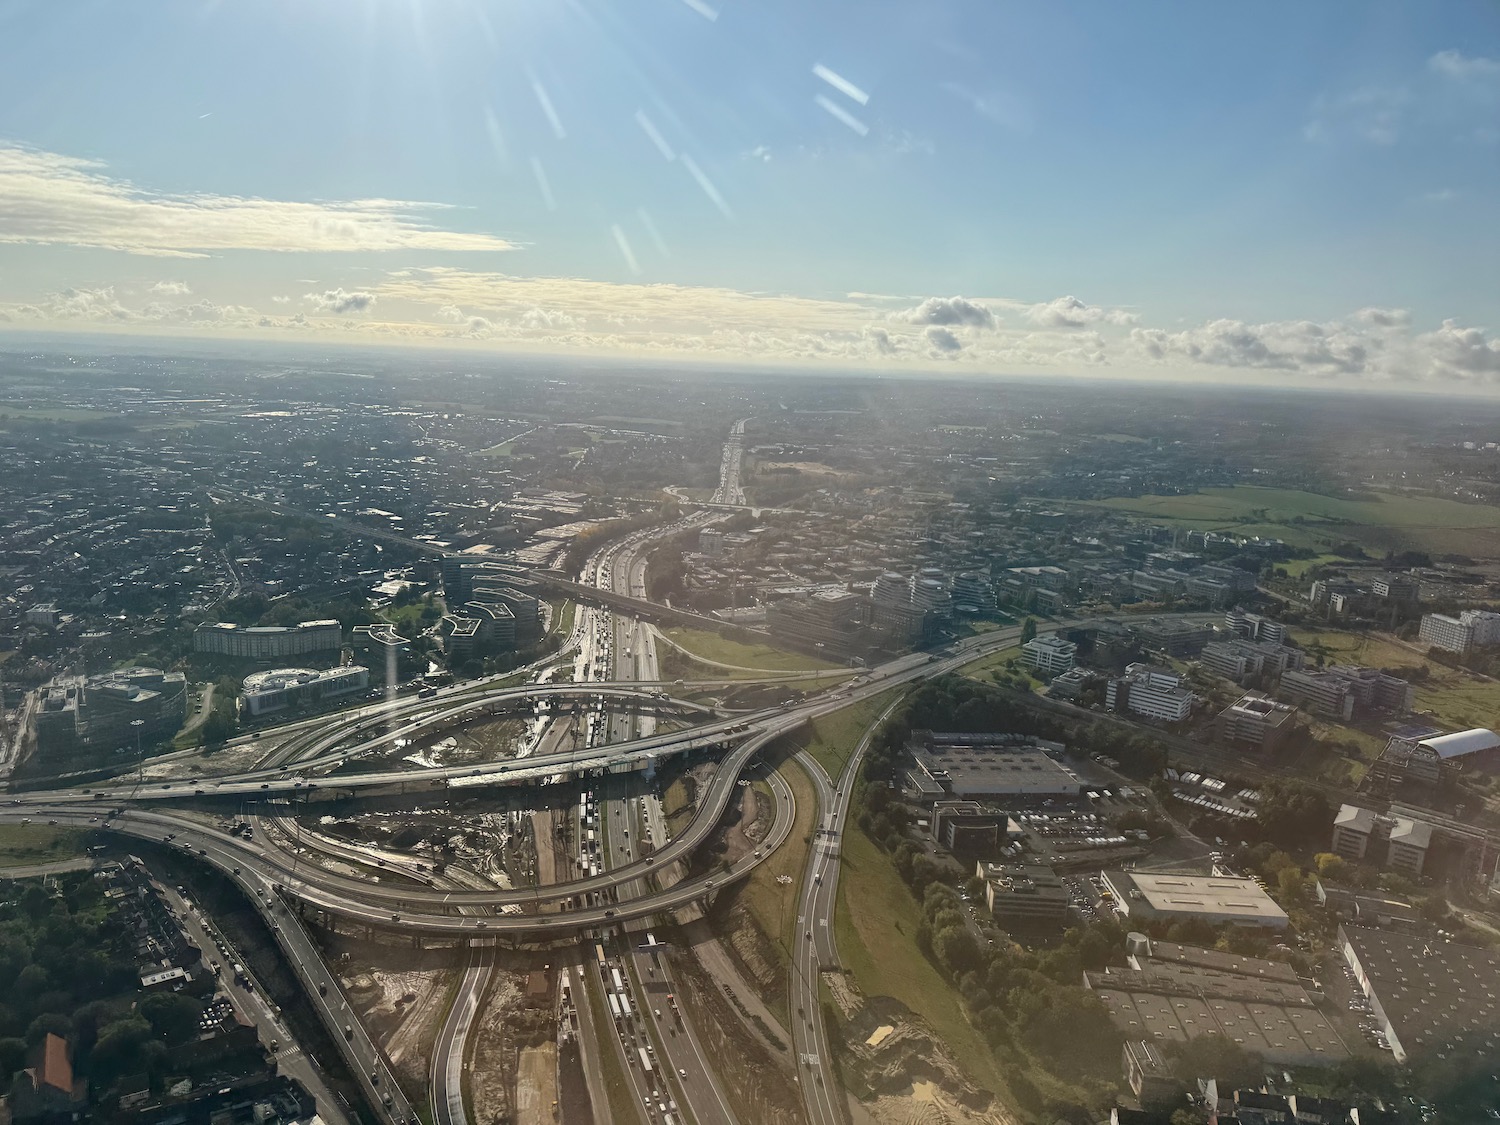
[[46, 198]]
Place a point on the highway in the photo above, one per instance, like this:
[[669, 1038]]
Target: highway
[[686, 1069], [814, 945]]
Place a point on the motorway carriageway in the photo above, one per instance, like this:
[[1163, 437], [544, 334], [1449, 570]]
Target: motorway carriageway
[[319, 892]]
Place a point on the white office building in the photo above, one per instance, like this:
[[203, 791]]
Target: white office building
[[1050, 654], [1485, 626], [1450, 634], [1156, 693]]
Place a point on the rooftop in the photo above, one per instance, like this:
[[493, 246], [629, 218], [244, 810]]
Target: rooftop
[[1211, 896], [1448, 746]]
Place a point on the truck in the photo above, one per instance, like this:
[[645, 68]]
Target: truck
[[614, 1007], [619, 981], [645, 1060]]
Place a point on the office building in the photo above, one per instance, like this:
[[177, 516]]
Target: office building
[[1156, 693], [973, 593], [1430, 758], [970, 829], [282, 689], [1322, 693], [1029, 894], [1255, 627], [711, 542], [267, 642], [1239, 659], [1172, 636], [1146, 897], [829, 622], [379, 644], [45, 615], [102, 712], [1396, 588], [1255, 722], [1450, 634], [1399, 843], [1484, 627], [1049, 654]]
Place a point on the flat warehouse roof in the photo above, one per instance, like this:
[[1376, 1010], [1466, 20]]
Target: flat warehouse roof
[[1194, 894]]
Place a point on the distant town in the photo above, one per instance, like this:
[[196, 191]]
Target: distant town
[[395, 738]]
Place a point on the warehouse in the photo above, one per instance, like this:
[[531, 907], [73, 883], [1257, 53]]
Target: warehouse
[[1145, 897]]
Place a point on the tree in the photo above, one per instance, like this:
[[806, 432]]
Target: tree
[[172, 1016], [12, 1057], [1028, 630], [1331, 866]]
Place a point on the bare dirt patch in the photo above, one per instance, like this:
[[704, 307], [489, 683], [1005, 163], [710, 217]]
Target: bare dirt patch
[[400, 1005], [756, 1080], [536, 1086]]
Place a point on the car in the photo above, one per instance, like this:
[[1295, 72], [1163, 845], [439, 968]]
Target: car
[[809, 935], [395, 917], [265, 785], [236, 870], [682, 1072], [481, 924]]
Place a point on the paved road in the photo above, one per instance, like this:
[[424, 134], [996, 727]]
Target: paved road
[[451, 1046], [814, 945], [256, 1006]]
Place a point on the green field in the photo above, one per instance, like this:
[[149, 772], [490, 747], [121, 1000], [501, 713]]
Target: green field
[[1454, 698], [1307, 519], [876, 929], [993, 660], [773, 904], [834, 737], [22, 845], [708, 646]]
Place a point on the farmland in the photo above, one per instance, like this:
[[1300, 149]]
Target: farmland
[[1377, 522]]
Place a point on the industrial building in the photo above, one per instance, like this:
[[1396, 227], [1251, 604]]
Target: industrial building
[[987, 767], [1176, 993], [1427, 758], [1431, 997], [267, 642], [1148, 897], [283, 688]]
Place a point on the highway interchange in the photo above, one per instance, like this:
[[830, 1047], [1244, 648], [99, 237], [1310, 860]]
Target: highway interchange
[[631, 874]]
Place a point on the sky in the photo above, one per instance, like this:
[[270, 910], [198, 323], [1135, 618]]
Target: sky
[[1260, 193]]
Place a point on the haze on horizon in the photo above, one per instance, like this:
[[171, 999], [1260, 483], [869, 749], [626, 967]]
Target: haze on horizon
[[1277, 195]]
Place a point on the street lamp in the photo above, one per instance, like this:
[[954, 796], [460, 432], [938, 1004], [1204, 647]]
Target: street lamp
[[140, 761]]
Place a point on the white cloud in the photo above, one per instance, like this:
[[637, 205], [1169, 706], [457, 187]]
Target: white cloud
[[951, 311], [944, 340], [1456, 352], [1462, 68], [48, 198], [281, 300], [1283, 345], [84, 304], [1384, 318], [1070, 312], [550, 319], [171, 288], [1375, 114], [339, 302]]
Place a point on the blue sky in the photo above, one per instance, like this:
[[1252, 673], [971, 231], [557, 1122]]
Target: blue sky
[[1190, 190]]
